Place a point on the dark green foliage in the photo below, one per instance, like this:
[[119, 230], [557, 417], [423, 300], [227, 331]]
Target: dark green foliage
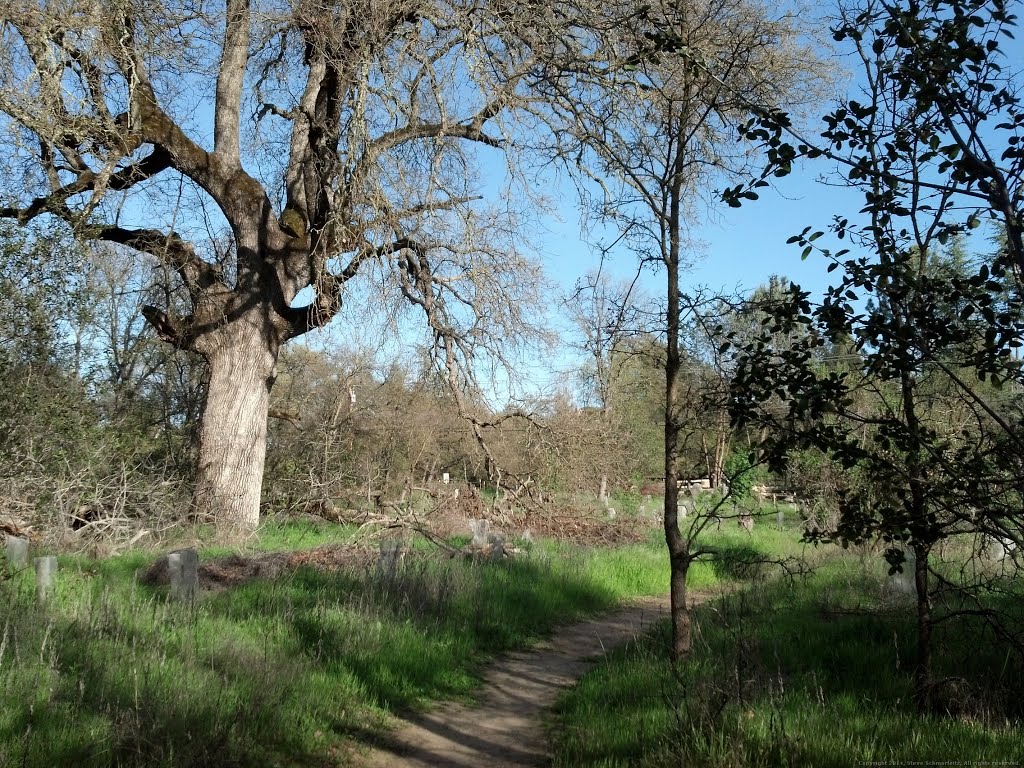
[[931, 447], [89, 426], [742, 474], [929, 452]]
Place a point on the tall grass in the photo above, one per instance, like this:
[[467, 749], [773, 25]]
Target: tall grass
[[290, 672], [811, 672]]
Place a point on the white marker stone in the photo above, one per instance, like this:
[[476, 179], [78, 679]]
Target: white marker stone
[[17, 552], [46, 568], [183, 567]]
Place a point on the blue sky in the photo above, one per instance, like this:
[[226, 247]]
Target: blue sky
[[739, 248], [747, 245]]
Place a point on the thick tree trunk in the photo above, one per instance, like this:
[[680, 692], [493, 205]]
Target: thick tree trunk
[[233, 431]]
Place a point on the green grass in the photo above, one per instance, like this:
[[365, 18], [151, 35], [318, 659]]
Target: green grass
[[289, 672], [274, 534], [815, 672]]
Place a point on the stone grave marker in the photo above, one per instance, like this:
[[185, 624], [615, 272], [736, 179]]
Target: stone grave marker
[[479, 529], [183, 567], [46, 570], [391, 556], [496, 542], [17, 552], [904, 583], [994, 549]]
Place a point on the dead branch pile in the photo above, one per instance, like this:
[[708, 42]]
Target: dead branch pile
[[568, 524]]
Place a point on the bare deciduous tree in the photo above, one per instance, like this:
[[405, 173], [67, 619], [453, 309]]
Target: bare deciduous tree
[[650, 133], [606, 315], [328, 140]]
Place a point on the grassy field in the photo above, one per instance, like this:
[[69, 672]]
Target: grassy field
[[290, 671], [296, 670], [812, 671]]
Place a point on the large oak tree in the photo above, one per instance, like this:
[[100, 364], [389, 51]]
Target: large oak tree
[[268, 152]]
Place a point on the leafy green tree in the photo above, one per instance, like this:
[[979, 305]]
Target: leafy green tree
[[69, 453], [934, 146], [743, 474]]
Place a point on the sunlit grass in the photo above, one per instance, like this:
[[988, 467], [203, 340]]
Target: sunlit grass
[[815, 671], [290, 672]]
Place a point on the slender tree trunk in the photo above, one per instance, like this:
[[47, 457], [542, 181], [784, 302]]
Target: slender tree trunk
[[721, 446], [923, 669], [682, 634], [678, 546], [233, 433], [921, 528]]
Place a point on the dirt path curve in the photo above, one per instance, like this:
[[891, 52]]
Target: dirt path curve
[[504, 728]]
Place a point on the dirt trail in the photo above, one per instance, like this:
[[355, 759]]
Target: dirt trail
[[504, 728]]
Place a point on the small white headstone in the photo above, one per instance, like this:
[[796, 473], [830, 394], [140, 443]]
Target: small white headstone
[[446, 478], [611, 513], [780, 519], [183, 567], [17, 552], [995, 549], [46, 568]]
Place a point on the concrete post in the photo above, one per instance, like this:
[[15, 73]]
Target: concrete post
[[183, 566], [46, 568], [17, 553]]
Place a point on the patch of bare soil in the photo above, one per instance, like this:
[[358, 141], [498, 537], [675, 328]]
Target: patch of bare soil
[[504, 728]]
